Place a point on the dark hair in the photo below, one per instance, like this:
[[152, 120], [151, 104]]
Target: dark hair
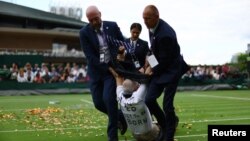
[[136, 25], [127, 95]]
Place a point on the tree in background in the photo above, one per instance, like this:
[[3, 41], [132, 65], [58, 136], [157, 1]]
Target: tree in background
[[242, 62], [239, 67]]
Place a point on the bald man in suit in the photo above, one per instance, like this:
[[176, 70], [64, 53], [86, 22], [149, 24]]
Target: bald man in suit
[[100, 54], [167, 66]]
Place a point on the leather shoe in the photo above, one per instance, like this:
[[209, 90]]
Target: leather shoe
[[161, 136], [122, 127], [176, 122]]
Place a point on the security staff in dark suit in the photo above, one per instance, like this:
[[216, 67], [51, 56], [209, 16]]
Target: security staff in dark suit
[[138, 49], [100, 53], [167, 68]]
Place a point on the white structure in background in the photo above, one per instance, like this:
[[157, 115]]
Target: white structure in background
[[234, 58], [248, 49], [61, 50], [69, 8]]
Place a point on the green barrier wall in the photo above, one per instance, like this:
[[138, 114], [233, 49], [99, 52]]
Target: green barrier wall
[[197, 82], [13, 85]]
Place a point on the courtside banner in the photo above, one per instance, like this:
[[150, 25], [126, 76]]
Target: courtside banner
[[228, 132]]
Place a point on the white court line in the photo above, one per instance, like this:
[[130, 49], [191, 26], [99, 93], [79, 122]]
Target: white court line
[[99, 127], [86, 101], [186, 136], [223, 97], [232, 119], [50, 129]]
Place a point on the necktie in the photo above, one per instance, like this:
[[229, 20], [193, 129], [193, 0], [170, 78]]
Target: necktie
[[102, 40], [132, 47], [99, 31], [133, 44], [151, 36]]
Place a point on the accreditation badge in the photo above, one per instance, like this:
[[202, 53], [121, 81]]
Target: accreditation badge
[[102, 57], [104, 54], [152, 61], [137, 64]]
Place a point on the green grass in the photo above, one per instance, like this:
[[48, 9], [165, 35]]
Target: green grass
[[32, 118]]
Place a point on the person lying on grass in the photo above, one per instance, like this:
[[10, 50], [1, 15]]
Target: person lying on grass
[[130, 96]]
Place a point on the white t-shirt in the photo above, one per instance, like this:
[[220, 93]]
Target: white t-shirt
[[135, 111]]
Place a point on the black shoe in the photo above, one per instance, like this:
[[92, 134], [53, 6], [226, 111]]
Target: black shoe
[[122, 127], [161, 136], [176, 122]]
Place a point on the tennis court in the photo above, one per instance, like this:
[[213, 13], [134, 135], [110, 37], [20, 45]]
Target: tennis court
[[72, 117]]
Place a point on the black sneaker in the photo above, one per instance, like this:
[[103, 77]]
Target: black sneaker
[[122, 127]]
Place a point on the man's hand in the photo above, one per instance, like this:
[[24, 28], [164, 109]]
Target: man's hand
[[148, 71], [121, 50], [146, 63], [121, 53], [113, 72], [142, 70]]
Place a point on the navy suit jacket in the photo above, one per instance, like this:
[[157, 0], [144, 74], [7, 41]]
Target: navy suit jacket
[[165, 47], [141, 50], [90, 46]]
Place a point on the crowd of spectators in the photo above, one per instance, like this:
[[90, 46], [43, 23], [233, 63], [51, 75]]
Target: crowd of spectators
[[71, 73], [217, 73], [47, 73]]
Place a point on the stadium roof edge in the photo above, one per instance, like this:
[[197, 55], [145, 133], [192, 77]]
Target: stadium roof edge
[[10, 9]]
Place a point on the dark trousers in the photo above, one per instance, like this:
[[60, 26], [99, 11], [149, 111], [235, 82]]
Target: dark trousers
[[104, 98], [166, 117]]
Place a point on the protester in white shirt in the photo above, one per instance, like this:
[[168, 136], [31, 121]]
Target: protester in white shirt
[[130, 96]]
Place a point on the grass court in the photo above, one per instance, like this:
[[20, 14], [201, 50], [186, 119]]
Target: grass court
[[72, 117]]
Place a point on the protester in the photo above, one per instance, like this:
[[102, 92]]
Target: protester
[[130, 96]]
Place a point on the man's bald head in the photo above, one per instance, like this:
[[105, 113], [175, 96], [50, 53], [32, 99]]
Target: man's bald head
[[129, 86], [150, 16], [151, 9], [92, 10], [94, 16]]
